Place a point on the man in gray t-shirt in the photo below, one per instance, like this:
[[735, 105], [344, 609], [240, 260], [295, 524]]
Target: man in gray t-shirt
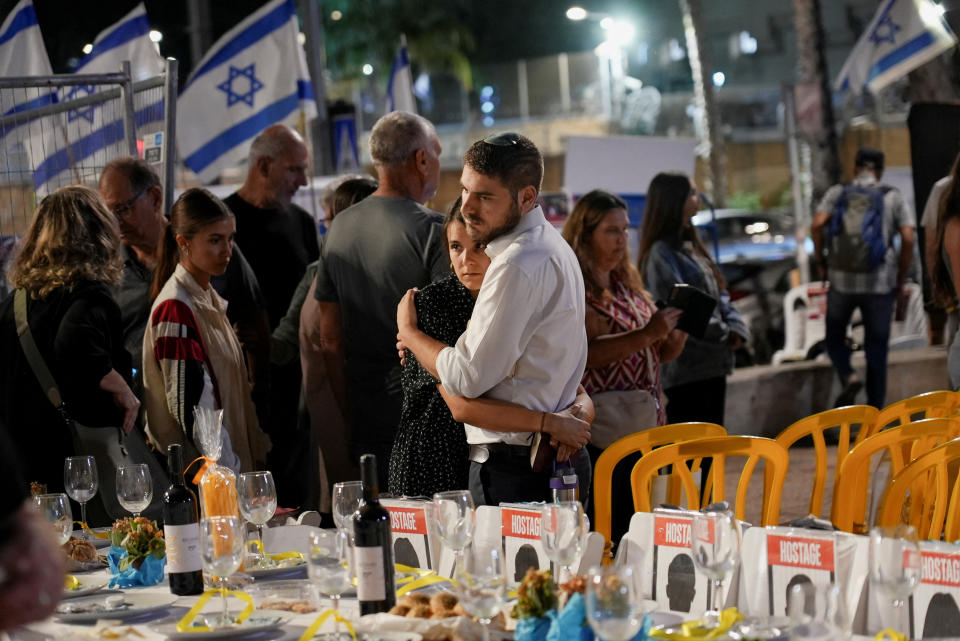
[[374, 252]]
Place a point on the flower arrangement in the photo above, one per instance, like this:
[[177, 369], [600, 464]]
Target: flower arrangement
[[137, 552]]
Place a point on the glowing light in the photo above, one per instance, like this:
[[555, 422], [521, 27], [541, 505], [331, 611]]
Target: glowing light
[[87, 48], [302, 38], [719, 79], [576, 13], [748, 44], [486, 92], [606, 23], [486, 106], [488, 121], [367, 69], [620, 33], [336, 14], [155, 36]]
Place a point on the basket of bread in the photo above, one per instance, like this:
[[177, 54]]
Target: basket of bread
[[435, 615]]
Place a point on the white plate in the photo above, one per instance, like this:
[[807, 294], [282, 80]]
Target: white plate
[[279, 572], [139, 604], [87, 586], [259, 622], [391, 636]]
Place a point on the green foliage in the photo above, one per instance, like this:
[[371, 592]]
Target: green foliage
[[536, 595], [749, 200], [140, 537]]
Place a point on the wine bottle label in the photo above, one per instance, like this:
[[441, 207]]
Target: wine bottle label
[[371, 581], [183, 547]]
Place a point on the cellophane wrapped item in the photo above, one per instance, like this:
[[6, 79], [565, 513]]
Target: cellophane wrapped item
[[218, 486]]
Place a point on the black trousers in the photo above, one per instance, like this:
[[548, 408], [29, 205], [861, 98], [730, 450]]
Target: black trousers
[[699, 401], [507, 478]]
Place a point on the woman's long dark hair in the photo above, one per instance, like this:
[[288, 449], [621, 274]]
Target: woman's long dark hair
[[195, 209], [948, 208], [663, 220]]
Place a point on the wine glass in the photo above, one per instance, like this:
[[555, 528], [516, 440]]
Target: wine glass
[[257, 497], [715, 547], [221, 550], [81, 482], [481, 583], [346, 501], [455, 515], [134, 488], [56, 509], [614, 605], [329, 570], [895, 564], [562, 528]]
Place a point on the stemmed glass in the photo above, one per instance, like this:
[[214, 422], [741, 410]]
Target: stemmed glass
[[134, 488], [455, 515], [614, 605], [715, 546], [562, 528], [895, 564], [221, 550], [346, 501], [329, 570], [56, 509], [481, 583], [257, 498], [81, 481]]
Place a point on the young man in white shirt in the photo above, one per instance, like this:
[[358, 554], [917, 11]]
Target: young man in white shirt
[[526, 341]]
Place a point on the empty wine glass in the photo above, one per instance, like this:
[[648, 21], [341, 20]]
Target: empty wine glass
[[895, 564], [562, 528], [455, 515], [81, 481], [346, 501], [715, 547], [56, 509], [221, 550], [134, 488], [257, 498], [329, 569], [614, 606], [481, 583]]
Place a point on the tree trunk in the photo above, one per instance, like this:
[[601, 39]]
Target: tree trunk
[[711, 146], [812, 69]]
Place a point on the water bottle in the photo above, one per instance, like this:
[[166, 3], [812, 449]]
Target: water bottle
[[564, 485]]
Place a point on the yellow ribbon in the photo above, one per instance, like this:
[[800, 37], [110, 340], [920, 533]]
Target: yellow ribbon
[[695, 630], [183, 625], [207, 462], [97, 535], [888, 633], [326, 614], [71, 582], [279, 556]]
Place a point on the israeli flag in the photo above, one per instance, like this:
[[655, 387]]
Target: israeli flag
[[903, 35], [85, 139], [400, 86], [253, 77]]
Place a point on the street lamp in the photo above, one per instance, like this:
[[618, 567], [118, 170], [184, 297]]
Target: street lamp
[[576, 13]]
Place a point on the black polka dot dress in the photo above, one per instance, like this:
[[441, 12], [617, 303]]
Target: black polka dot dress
[[430, 450]]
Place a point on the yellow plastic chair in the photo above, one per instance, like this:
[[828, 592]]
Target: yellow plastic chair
[[937, 515], [930, 405], [903, 443], [774, 455], [643, 442], [814, 426]]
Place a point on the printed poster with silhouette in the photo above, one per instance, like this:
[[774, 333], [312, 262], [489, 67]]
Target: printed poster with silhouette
[[520, 532], [677, 586], [414, 542], [807, 561], [933, 607]]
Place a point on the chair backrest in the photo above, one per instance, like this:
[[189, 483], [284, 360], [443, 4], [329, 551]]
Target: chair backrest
[[904, 443], [814, 426], [774, 455], [930, 404], [934, 475], [642, 442]]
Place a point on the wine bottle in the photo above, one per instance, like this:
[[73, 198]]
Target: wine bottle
[[373, 546], [181, 529]]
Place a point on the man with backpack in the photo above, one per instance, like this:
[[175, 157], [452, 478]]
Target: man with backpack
[[854, 231]]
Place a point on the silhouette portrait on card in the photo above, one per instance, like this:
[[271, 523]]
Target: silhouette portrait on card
[[943, 617], [405, 554], [526, 558], [809, 596], [681, 583]]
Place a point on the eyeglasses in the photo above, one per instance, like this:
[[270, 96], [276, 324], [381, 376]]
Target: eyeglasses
[[121, 210], [506, 139]]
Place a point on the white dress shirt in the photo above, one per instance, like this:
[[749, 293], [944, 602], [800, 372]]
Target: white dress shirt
[[526, 342]]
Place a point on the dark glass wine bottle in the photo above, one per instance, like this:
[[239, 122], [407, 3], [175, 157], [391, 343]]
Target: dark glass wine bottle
[[373, 547], [181, 529]]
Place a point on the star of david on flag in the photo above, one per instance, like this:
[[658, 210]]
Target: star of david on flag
[[254, 76], [902, 35]]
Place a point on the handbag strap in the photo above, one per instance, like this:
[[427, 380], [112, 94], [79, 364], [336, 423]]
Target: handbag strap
[[32, 352]]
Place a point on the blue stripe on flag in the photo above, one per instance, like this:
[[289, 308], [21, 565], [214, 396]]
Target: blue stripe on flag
[[272, 21], [901, 53], [36, 103], [305, 90], [90, 144], [241, 132], [124, 33], [24, 20]]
